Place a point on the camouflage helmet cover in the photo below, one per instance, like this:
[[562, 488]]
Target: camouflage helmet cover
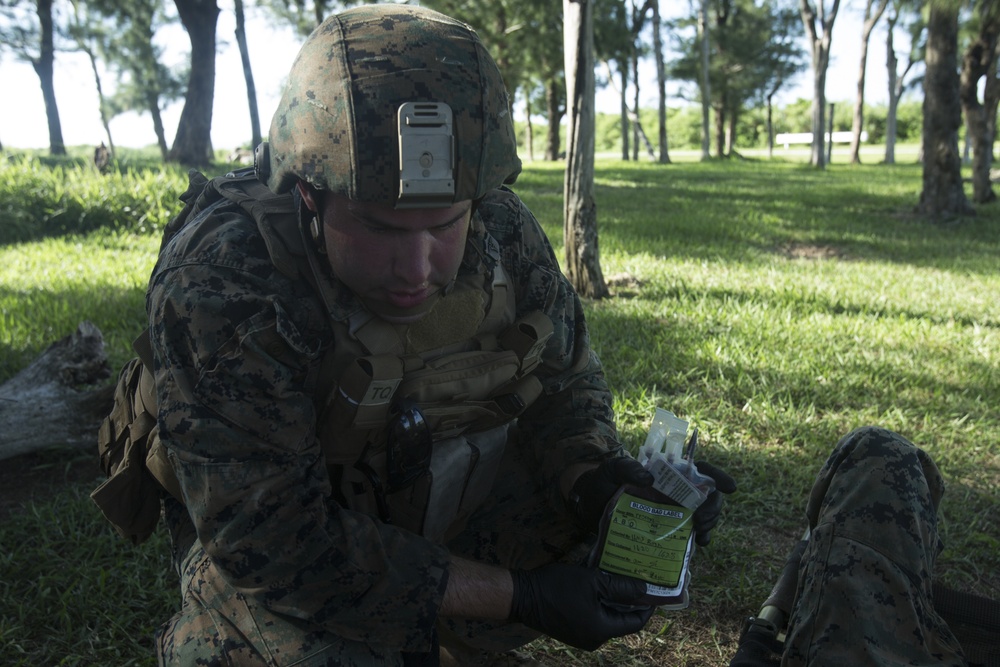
[[336, 123]]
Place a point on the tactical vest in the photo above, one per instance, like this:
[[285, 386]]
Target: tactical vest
[[466, 367]]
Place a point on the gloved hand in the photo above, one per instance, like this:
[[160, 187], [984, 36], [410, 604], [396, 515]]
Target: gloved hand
[[579, 606], [593, 489], [707, 514]]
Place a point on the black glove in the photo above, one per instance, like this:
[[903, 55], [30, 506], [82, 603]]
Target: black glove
[[579, 606], [757, 649], [593, 489], [707, 514]]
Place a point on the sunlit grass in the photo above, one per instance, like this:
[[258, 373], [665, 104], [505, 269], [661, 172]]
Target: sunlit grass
[[48, 286], [773, 305]]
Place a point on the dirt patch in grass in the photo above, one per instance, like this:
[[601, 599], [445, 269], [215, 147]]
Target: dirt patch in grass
[[811, 251]]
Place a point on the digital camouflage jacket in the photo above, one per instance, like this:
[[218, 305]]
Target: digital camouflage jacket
[[235, 344]]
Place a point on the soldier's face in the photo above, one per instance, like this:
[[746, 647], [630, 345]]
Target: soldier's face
[[396, 261]]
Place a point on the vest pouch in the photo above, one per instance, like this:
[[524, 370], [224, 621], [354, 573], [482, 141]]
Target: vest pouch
[[358, 407], [461, 475], [460, 377], [130, 497], [159, 466], [527, 338]]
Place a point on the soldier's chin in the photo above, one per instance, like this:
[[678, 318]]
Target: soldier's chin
[[396, 315]]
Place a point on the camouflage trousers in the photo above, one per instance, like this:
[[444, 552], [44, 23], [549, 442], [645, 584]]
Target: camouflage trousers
[[518, 526], [864, 591]]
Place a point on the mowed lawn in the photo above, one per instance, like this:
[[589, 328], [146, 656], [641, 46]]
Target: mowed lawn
[[774, 306]]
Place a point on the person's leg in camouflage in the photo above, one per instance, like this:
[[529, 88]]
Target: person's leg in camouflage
[[518, 526], [219, 626], [864, 593]]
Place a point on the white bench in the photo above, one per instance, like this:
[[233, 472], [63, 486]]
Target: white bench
[[787, 138]]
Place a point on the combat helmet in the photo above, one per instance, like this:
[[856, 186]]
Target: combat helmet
[[394, 104]]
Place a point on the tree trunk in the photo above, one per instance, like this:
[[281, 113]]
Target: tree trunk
[[979, 58], [829, 133], [193, 142], [770, 125], [102, 106], [555, 118], [241, 40], [859, 103], [819, 47], [720, 130], [43, 66], [583, 267], [731, 126], [635, 107], [42, 407], [661, 83], [153, 105], [991, 100], [625, 122], [894, 82], [942, 195], [529, 126], [706, 88]]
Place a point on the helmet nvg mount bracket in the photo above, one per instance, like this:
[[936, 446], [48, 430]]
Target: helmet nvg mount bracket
[[392, 104], [426, 155]]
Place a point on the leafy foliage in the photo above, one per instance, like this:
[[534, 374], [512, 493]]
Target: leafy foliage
[[71, 197]]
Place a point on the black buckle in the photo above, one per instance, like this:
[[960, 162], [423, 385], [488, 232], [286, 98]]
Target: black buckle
[[408, 445]]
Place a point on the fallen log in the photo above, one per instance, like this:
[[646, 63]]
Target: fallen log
[[54, 400]]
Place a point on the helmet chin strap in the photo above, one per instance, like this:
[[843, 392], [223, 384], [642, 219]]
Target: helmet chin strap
[[316, 232], [310, 222]]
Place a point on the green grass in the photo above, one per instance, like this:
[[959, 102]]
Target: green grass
[[774, 306], [75, 593]]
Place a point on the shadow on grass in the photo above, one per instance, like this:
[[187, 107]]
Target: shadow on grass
[[746, 211]]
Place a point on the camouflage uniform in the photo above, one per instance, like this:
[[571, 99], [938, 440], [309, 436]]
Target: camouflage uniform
[[272, 569], [864, 592]]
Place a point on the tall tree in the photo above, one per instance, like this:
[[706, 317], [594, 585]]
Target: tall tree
[[193, 141], [91, 35], [873, 12], [302, 15], [942, 195], [754, 50], [786, 60], [661, 84], [524, 38], [820, 37], [615, 43], [897, 80], [979, 63], [33, 40], [634, 53], [583, 265], [144, 83], [241, 40], [43, 65], [639, 12], [704, 80]]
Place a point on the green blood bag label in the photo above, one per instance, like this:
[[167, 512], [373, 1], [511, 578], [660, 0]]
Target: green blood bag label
[[649, 541]]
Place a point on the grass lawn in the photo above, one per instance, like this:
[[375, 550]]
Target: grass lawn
[[774, 306]]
